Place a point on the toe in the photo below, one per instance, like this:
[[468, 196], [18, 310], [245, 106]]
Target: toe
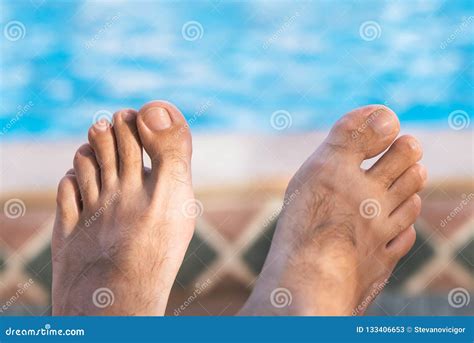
[[404, 216], [68, 199], [411, 181], [101, 138], [128, 145], [68, 205], [166, 139], [364, 132], [401, 244], [87, 174], [402, 154]]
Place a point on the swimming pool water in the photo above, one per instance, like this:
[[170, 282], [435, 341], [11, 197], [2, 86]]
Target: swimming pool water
[[233, 66]]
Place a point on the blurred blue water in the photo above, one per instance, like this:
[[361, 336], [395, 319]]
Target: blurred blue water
[[230, 65]]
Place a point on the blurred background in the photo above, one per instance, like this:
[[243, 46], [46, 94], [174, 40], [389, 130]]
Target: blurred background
[[260, 83]]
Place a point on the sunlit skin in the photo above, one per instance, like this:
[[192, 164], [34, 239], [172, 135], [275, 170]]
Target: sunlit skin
[[121, 230], [343, 228]]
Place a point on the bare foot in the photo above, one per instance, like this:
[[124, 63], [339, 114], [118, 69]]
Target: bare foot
[[343, 228], [121, 230]]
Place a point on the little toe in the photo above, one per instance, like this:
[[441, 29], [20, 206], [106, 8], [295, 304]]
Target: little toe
[[87, 174], [101, 138], [402, 154], [404, 216], [364, 133], [166, 139], [411, 181], [68, 204], [401, 244], [128, 145]]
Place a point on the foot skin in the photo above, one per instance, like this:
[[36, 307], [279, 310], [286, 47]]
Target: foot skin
[[121, 230], [343, 229]]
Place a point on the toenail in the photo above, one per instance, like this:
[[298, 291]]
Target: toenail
[[127, 116], [157, 118], [380, 122], [102, 125], [86, 151]]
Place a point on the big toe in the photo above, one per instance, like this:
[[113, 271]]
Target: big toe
[[364, 132], [166, 138]]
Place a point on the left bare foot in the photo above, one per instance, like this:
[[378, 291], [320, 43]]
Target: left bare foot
[[122, 230]]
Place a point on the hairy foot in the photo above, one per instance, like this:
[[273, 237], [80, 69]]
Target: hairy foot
[[343, 229], [121, 230]]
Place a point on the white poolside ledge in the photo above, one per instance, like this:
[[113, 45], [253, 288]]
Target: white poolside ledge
[[230, 159]]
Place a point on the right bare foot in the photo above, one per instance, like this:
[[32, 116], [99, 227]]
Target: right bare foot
[[121, 230], [343, 229]]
